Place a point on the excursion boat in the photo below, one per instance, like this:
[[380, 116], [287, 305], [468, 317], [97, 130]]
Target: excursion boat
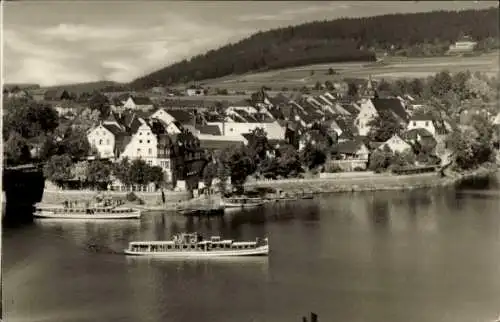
[[241, 202], [79, 210], [192, 245]]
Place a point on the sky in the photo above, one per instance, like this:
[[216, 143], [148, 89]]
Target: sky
[[63, 42]]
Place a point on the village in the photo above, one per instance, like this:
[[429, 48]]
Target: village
[[353, 126]]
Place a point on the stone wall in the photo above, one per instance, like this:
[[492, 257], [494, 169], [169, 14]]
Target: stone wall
[[356, 182], [357, 174], [150, 198], [349, 165]]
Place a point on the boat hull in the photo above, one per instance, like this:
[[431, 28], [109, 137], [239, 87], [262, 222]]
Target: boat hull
[[259, 251], [49, 214], [241, 205]]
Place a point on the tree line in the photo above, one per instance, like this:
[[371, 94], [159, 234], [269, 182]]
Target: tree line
[[348, 39]]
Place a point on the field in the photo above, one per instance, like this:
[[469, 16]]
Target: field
[[393, 67]]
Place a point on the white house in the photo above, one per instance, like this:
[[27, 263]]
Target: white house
[[366, 114], [422, 121], [195, 92], [273, 129], [138, 103], [465, 44], [396, 144], [143, 145], [369, 110], [103, 138]]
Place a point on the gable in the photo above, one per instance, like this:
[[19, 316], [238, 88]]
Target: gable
[[99, 130], [367, 110]]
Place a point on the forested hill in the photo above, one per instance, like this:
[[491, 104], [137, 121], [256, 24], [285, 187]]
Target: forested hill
[[348, 39]]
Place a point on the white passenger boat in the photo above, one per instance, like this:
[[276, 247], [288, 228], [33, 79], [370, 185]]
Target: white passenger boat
[[241, 202], [97, 211], [194, 246]]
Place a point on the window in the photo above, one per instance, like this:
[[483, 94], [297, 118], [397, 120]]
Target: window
[[149, 141], [150, 162], [147, 134], [426, 123], [107, 141], [150, 151], [138, 151], [100, 142], [414, 123], [140, 133]]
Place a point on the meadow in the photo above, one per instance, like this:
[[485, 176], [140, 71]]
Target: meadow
[[391, 68]]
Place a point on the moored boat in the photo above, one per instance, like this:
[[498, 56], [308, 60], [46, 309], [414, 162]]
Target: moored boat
[[241, 202], [192, 245], [73, 210], [307, 196]]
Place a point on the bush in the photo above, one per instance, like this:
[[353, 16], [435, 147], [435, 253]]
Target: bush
[[132, 197], [333, 168], [359, 169]]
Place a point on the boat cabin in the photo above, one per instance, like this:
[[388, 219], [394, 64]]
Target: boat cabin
[[192, 242]]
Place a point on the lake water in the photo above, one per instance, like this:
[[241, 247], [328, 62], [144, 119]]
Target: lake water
[[391, 256]]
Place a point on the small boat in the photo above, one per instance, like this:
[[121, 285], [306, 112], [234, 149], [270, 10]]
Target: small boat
[[200, 212], [192, 245], [96, 211], [307, 196], [241, 202]]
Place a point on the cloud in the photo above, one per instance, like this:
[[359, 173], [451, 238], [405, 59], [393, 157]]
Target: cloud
[[69, 53], [71, 32], [293, 13]]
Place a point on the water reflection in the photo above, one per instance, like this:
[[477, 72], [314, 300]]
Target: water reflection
[[88, 233], [380, 212]]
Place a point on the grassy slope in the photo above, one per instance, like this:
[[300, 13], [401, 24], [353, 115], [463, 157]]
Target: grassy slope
[[396, 67]]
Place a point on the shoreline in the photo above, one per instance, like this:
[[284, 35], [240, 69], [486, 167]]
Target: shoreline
[[336, 184], [375, 182]]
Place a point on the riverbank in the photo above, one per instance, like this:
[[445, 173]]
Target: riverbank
[[334, 183], [359, 181]]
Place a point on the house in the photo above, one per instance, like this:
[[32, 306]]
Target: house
[[346, 125], [138, 103], [353, 155], [143, 145], [65, 109], [104, 138], [183, 117], [437, 128], [57, 95], [465, 44], [396, 144], [421, 137], [173, 126], [370, 108], [353, 150], [422, 121], [209, 129], [235, 125], [195, 92], [214, 143]]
